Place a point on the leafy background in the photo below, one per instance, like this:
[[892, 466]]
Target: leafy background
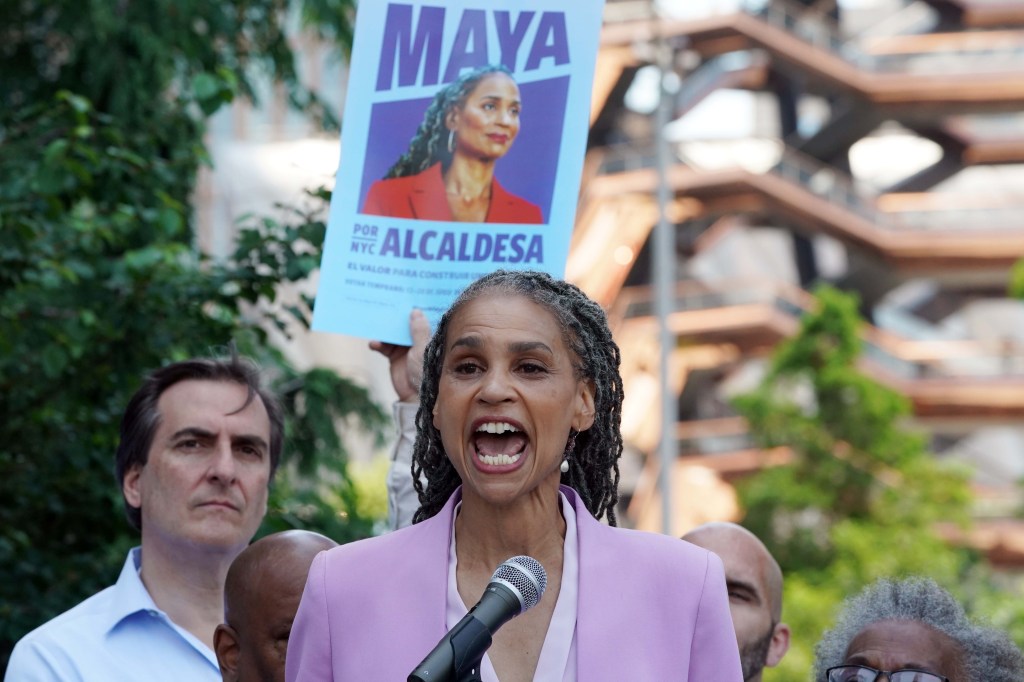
[[101, 138]]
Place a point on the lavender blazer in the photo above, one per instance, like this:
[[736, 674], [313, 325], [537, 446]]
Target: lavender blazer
[[651, 607]]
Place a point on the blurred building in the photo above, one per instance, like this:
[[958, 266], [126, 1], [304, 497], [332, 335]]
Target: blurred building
[[877, 146]]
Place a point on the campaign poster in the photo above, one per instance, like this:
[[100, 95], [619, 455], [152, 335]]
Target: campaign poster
[[462, 146]]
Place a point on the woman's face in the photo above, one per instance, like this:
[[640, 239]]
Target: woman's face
[[507, 397], [487, 123], [897, 644]]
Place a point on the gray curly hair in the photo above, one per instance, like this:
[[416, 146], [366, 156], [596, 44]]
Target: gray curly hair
[[988, 655]]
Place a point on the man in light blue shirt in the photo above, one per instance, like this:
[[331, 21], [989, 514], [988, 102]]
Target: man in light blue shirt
[[200, 441]]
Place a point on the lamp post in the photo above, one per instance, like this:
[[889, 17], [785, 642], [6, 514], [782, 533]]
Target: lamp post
[[664, 273]]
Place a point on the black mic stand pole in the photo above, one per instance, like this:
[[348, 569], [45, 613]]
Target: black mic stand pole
[[457, 658]]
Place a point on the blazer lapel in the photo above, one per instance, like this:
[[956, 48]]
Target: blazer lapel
[[502, 206], [597, 575], [604, 653], [427, 197], [423, 580]]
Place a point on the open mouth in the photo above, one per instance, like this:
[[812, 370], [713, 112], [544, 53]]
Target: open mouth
[[498, 443]]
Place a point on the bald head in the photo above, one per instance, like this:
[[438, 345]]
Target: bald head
[[276, 563], [261, 595], [736, 545], [754, 581]]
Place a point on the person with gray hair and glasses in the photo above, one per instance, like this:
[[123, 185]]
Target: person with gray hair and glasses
[[912, 630]]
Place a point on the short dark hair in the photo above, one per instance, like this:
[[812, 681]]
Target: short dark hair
[[594, 466], [141, 417]]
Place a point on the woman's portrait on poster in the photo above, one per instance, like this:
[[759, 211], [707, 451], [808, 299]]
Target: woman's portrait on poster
[[448, 172]]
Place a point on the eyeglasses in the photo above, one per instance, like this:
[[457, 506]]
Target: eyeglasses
[[862, 673]]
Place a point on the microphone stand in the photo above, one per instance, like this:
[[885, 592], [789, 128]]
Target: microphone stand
[[458, 657]]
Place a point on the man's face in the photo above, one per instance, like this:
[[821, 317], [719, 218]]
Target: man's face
[[251, 647], [746, 577], [205, 481], [263, 632]]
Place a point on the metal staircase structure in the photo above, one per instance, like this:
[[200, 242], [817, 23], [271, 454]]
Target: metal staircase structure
[[953, 386], [901, 235], [979, 14], [933, 84]]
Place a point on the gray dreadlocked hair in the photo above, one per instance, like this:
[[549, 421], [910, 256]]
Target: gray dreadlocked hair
[[594, 465], [987, 653], [430, 143]]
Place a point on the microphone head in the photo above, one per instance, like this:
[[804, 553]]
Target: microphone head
[[525, 577]]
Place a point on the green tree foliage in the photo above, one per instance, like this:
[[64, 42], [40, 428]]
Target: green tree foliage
[[161, 65], [100, 141], [1017, 280], [863, 495]]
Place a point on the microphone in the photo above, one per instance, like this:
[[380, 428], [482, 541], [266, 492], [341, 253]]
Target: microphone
[[517, 585]]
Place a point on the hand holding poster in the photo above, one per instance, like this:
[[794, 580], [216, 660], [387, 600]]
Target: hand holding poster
[[464, 131]]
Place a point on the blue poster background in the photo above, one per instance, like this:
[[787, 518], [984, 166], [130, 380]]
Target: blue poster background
[[376, 269]]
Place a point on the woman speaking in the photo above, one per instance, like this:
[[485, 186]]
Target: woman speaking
[[518, 444], [448, 172]]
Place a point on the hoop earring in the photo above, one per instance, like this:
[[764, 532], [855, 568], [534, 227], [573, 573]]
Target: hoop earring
[[451, 141]]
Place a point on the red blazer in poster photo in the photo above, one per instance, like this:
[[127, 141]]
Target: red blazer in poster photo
[[448, 172]]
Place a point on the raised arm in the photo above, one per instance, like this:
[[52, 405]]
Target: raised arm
[[406, 363]]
